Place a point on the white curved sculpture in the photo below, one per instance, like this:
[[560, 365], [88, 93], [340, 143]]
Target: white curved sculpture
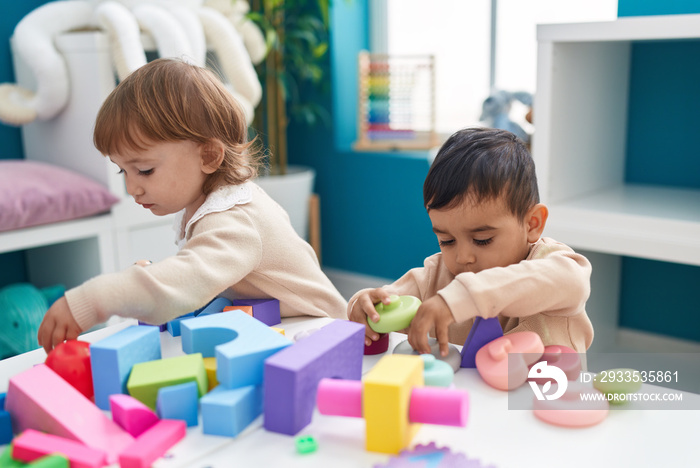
[[179, 28]]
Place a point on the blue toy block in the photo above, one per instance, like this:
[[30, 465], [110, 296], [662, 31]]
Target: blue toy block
[[179, 402], [265, 310], [227, 412], [174, 325], [240, 343], [214, 307], [483, 331], [5, 428], [162, 327], [112, 358], [293, 374]]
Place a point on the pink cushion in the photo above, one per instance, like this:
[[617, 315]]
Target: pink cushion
[[33, 193]]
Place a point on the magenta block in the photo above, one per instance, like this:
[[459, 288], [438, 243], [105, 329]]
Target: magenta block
[[378, 347], [265, 310], [131, 415], [32, 445], [338, 397], [292, 375], [153, 444], [482, 332]]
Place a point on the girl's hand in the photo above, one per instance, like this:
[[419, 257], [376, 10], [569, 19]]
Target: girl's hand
[[432, 314], [58, 326], [364, 308]]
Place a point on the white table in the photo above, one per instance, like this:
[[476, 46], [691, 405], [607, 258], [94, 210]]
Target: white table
[[494, 434]]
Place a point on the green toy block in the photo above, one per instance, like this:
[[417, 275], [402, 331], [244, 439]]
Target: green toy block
[[306, 444], [396, 315], [6, 460], [55, 460], [148, 377]]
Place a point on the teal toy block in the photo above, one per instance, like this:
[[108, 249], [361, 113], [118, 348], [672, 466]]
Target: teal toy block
[[112, 358], [226, 412], [174, 325], [239, 342], [148, 377], [179, 402]]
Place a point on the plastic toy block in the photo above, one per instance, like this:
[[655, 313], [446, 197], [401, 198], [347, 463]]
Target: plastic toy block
[[453, 357], [562, 357], [147, 377], [247, 309], [292, 375], [436, 373], [265, 310], [378, 347], [55, 460], [113, 357], [571, 409], [5, 428], [305, 444], [210, 368], [216, 306], [6, 460], [152, 444], [162, 327], [429, 405], [386, 399], [396, 315], [504, 362], [131, 415], [179, 402], [71, 360], [482, 332], [31, 445], [278, 330], [240, 342], [227, 412], [40, 399], [173, 326]]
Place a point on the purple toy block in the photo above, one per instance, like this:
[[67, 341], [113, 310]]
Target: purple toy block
[[265, 310], [293, 374], [240, 343], [111, 359], [482, 332], [162, 327]]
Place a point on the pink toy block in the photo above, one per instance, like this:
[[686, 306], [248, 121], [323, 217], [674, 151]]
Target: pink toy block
[[71, 360], [40, 399], [153, 444], [292, 375], [483, 331], [571, 410], [31, 445], [429, 405], [562, 357], [378, 347], [504, 362], [131, 415], [113, 357], [240, 342]]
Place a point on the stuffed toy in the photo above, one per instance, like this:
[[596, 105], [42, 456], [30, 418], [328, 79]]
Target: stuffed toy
[[180, 28], [22, 308], [496, 112]]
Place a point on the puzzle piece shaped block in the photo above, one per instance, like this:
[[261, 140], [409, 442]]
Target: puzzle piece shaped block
[[173, 326], [148, 377], [40, 399], [179, 402], [131, 415], [112, 358], [71, 360], [504, 363], [240, 342], [293, 374], [483, 331], [32, 445], [265, 310], [153, 444], [226, 412]]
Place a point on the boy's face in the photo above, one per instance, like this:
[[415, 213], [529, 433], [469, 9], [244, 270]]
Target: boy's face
[[165, 178], [477, 236]]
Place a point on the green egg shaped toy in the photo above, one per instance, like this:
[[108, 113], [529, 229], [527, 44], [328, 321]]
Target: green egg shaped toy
[[396, 315]]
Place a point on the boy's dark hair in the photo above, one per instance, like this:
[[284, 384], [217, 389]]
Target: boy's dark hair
[[483, 163]]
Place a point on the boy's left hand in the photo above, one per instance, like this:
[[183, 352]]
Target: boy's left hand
[[433, 313]]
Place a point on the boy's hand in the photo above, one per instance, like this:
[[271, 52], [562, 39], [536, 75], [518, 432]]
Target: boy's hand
[[58, 326], [364, 307], [433, 313]]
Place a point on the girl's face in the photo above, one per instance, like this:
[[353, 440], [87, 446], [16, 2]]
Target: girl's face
[[477, 236], [165, 178]]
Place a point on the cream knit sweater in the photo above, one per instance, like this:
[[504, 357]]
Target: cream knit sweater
[[239, 244]]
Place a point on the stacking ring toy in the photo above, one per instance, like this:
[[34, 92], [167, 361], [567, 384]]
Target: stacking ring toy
[[396, 315]]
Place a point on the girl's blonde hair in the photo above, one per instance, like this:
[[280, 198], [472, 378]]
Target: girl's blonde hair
[[171, 100]]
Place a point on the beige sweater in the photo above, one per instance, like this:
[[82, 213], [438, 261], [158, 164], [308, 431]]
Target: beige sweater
[[545, 293], [239, 244]]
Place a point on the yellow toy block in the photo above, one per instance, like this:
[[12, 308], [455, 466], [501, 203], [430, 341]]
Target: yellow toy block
[[210, 368], [278, 330], [385, 402]]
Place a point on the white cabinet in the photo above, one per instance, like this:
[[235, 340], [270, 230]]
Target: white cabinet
[[581, 111]]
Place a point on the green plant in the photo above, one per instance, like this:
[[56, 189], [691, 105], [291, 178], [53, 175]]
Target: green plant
[[297, 65]]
